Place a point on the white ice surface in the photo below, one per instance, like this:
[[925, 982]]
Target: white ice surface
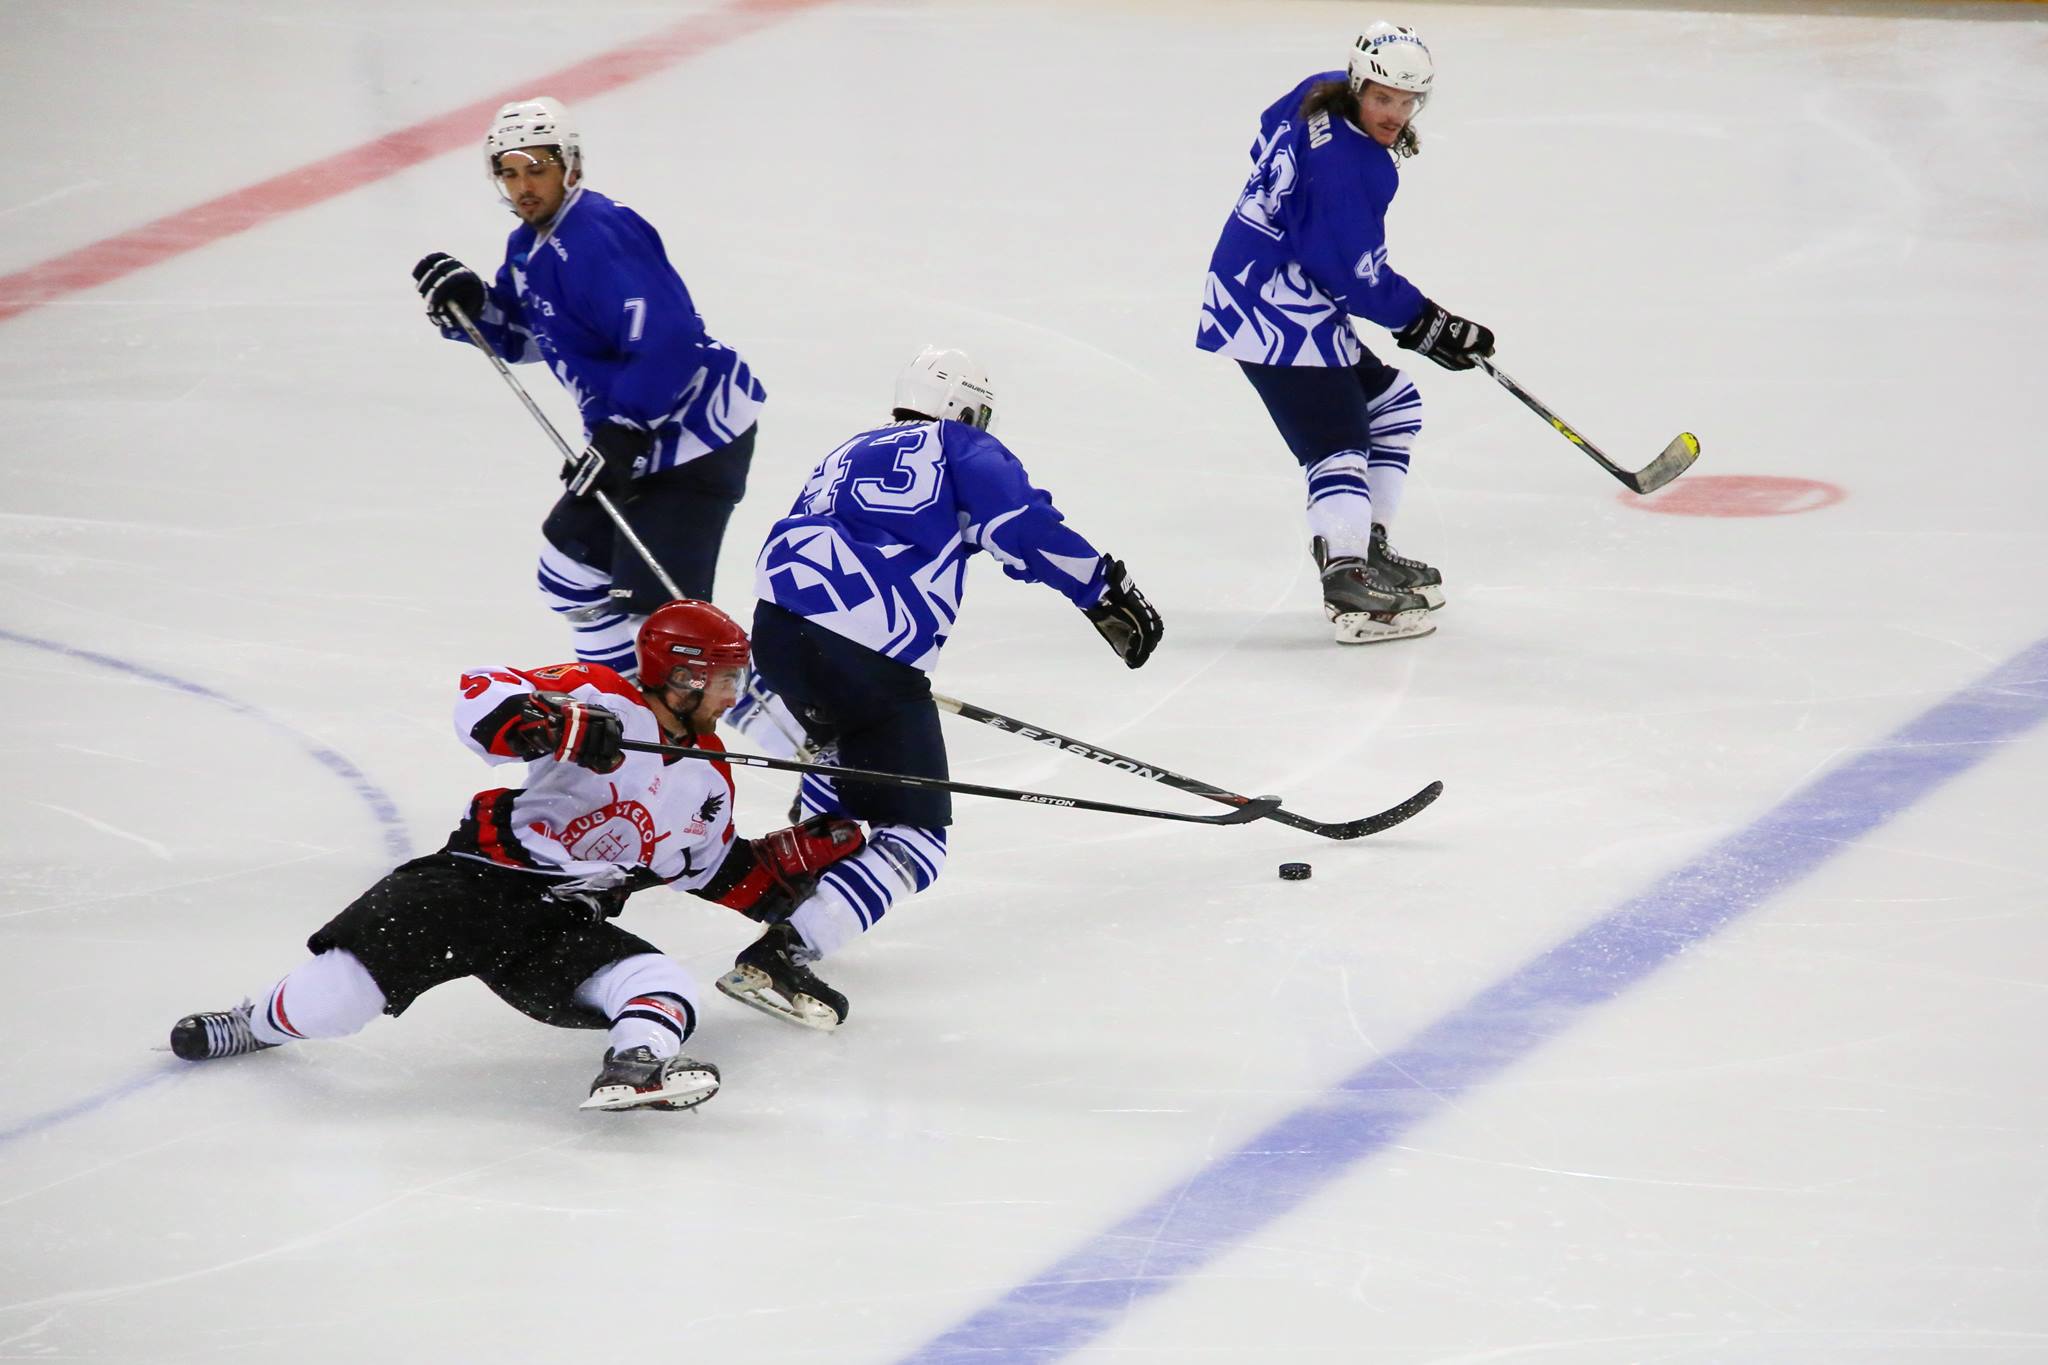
[[1816, 1137]]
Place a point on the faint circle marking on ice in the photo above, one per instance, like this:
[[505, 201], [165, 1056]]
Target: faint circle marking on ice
[[375, 797], [1739, 495]]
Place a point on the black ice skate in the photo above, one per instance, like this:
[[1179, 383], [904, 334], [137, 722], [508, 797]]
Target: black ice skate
[[224, 1033], [1363, 606], [1410, 575], [637, 1079], [774, 978]]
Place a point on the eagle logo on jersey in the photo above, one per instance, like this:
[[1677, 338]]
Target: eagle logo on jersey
[[713, 804]]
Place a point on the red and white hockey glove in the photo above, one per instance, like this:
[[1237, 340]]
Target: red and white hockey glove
[[765, 878], [550, 725]]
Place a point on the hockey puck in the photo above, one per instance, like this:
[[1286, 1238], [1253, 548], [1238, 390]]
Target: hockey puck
[[1294, 872]]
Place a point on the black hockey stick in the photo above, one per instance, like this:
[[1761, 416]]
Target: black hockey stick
[[1268, 807], [631, 537], [661, 575], [1675, 459], [1251, 809]]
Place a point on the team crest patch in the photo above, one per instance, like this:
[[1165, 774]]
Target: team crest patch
[[617, 832]]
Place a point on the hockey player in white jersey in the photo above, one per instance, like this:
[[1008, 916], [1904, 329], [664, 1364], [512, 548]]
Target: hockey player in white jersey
[[1303, 253], [669, 412], [523, 893], [859, 587]]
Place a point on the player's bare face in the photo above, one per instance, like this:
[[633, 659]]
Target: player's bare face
[[1384, 111], [533, 182]]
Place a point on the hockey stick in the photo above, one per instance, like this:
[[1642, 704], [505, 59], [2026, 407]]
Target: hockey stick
[[661, 575], [1252, 809], [1675, 459], [1349, 829], [1248, 808], [632, 538]]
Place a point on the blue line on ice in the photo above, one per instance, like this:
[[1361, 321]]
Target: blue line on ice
[[164, 1071], [1093, 1288], [380, 803]]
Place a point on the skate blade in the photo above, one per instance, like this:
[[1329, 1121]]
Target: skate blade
[[1431, 595], [684, 1090], [754, 989], [1360, 628]]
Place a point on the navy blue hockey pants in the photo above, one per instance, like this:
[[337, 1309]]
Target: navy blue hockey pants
[[1321, 409], [679, 514], [877, 710]]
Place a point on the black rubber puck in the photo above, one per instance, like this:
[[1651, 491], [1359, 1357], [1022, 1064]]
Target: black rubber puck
[[1294, 872]]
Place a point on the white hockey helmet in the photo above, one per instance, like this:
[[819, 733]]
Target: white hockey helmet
[[1391, 55], [538, 122], [946, 383]]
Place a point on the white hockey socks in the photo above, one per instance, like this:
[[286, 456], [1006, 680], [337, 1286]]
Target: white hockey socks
[[329, 996], [1340, 502], [581, 595], [650, 999], [1396, 420], [854, 893]]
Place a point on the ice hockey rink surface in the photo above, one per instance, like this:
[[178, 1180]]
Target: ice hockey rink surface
[[1701, 1020]]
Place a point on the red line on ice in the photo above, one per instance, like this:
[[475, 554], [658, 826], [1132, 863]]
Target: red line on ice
[[239, 210]]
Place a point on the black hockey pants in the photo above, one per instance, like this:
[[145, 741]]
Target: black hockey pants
[[442, 917]]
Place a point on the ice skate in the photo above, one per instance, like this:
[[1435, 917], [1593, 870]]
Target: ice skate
[[222, 1033], [1410, 575], [773, 976], [1362, 606], [637, 1079]]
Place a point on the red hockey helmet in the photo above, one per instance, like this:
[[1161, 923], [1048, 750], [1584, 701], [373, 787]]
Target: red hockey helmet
[[691, 639]]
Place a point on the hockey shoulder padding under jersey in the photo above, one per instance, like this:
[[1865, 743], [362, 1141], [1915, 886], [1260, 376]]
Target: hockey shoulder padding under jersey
[[596, 300], [673, 817], [1305, 248], [876, 547]]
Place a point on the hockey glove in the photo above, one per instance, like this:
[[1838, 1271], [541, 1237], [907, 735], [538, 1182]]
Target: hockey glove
[[607, 464], [1123, 616], [601, 895], [1451, 341], [765, 878], [442, 280], [550, 725]]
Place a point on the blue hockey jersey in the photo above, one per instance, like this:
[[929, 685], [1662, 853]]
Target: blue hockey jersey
[[876, 547], [1305, 249], [594, 297]]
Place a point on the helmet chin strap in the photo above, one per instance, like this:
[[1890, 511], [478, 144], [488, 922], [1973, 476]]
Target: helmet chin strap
[[674, 725]]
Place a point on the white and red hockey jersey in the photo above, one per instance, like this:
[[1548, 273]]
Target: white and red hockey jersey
[[672, 816]]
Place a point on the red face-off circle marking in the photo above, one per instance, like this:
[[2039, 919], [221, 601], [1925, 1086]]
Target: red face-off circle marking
[[1738, 495]]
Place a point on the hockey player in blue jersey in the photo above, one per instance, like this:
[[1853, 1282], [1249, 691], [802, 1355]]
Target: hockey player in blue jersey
[[859, 587], [668, 411], [1305, 252]]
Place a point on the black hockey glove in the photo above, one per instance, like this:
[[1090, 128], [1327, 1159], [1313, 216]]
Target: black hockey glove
[[442, 280], [1124, 617], [551, 725], [1451, 341], [602, 894], [606, 464]]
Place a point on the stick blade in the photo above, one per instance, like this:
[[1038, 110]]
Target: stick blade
[[1676, 459], [1386, 819], [1254, 808]]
